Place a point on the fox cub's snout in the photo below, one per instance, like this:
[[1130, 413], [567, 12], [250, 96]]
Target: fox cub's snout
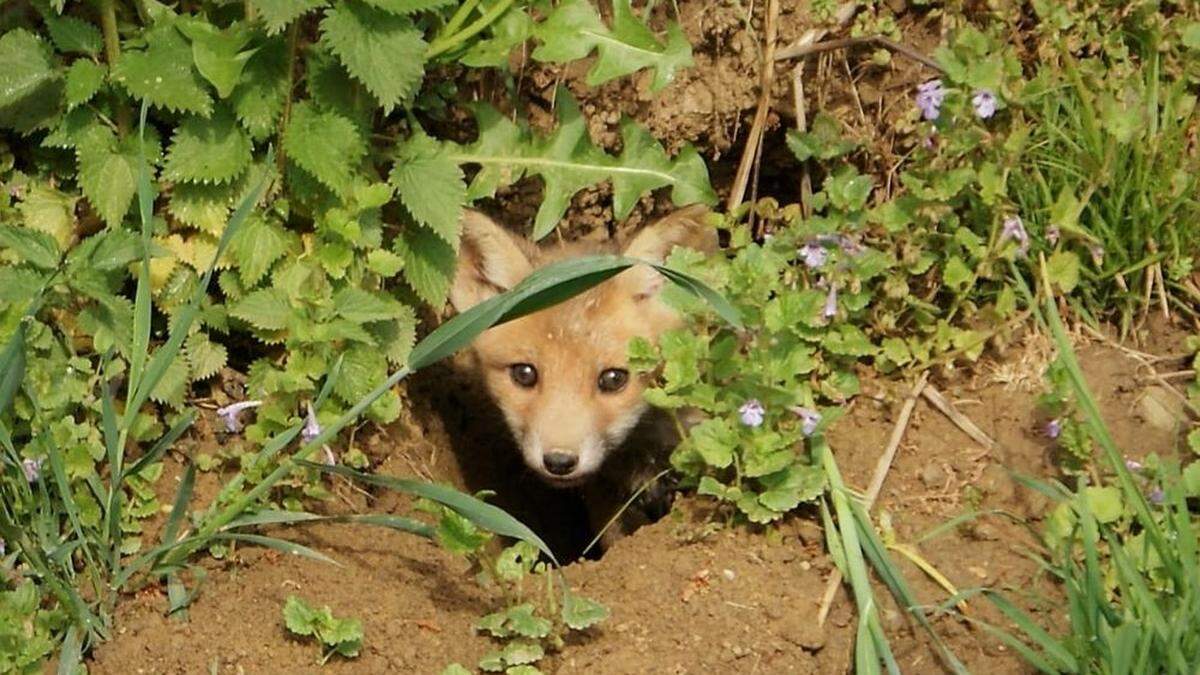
[[560, 376]]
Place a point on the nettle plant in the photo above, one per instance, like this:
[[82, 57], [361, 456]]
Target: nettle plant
[[361, 225]]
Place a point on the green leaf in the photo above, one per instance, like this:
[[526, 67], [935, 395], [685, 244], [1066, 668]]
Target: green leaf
[[520, 653], [384, 263], [362, 306], [823, 141], [714, 439], [524, 622], [84, 79], [1062, 269], [430, 185], [24, 66], [108, 173], [792, 486], [396, 338], [362, 367], [49, 210], [326, 145], [277, 14], [266, 309], [299, 617], [256, 248], [1190, 35], [383, 51], [162, 74], [259, 97], [212, 150], [205, 358], [204, 207], [429, 263], [956, 274], [218, 54], [171, 388], [511, 30], [581, 613], [568, 162], [574, 29], [410, 6], [37, 248], [73, 35]]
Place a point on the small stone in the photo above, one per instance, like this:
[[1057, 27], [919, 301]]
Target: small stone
[[933, 476], [810, 533], [728, 574]]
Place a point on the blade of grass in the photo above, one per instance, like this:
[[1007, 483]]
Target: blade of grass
[[140, 349], [281, 545], [183, 497]]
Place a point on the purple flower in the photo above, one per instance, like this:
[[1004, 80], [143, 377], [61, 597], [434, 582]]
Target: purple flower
[[984, 103], [32, 469], [929, 99], [312, 428], [1014, 229], [751, 413], [230, 414], [1053, 429], [830, 309], [3, 547], [809, 419], [850, 245], [930, 141], [1133, 465], [1157, 496], [814, 255], [1052, 235]]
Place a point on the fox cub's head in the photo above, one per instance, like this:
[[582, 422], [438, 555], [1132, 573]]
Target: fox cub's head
[[561, 375]]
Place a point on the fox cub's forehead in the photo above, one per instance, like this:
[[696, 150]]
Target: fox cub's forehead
[[592, 325]]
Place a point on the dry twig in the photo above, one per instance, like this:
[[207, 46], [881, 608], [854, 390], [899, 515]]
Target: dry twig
[[960, 420]]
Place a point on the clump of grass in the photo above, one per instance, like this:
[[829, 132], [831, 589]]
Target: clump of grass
[[1129, 563]]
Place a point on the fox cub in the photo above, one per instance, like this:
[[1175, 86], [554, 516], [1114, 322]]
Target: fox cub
[[560, 376]]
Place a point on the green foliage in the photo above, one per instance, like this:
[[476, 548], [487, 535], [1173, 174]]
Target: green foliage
[[343, 637], [26, 630]]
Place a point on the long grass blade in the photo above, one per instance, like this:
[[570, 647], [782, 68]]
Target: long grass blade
[[12, 368], [281, 545], [140, 349], [182, 498], [163, 444]]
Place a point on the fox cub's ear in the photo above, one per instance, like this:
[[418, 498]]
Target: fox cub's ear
[[685, 227], [490, 261]]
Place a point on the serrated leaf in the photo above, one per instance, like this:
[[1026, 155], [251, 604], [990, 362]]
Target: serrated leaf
[[259, 97], [163, 74], [172, 387], [326, 145], [524, 622], [36, 248], [410, 6], [108, 173], [384, 263], [256, 248], [24, 66], [84, 79], [361, 306], [208, 150], [428, 263], [277, 14], [70, 34], [363, 368], [430, 185], [266, 309], [204, 207], [567, 162], [46, 209], [299, 617], [383, 51], [396, 338], [205, 357], [574, 29]]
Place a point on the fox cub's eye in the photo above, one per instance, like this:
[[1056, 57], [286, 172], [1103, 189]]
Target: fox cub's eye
[[524, 374], [613, 380]]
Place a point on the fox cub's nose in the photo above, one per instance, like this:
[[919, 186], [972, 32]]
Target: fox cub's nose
[[560, 463]]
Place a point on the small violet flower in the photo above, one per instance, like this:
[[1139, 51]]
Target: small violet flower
[[1014, 229], [3, 547], [929, 99], [1157, 496], [230, 414], [1053, 429], [1053, 234], [809, 419], [984, 103], [312, 428], [32, 469], [1133, 465], [751, 413], [814, 255], [831, 299]]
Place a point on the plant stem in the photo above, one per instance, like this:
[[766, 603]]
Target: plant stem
[[112, 54], [443, 45], [293, 54], [456, 21], [238, 506]]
